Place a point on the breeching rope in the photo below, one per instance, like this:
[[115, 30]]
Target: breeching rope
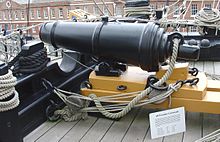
[[77, 105], [8, 95]]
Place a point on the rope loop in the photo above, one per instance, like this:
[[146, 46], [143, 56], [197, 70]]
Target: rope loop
[[151, 80]]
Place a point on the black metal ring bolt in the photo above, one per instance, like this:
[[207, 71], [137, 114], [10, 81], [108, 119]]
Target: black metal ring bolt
[[86, 84], [193, 71], [50, 111], [152, 80]]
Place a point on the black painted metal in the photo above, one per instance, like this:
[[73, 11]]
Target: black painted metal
[[34, 98], [144, 45], [10, 126], [209, 45], [9, 120]]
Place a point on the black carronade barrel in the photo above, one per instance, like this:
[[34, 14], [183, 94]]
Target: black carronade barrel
[[144, 45]]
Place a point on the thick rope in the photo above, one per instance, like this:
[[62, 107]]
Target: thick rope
[[29, 64], [208, 16], [76, 108], [72, 111], [142, 94], [8, 95]]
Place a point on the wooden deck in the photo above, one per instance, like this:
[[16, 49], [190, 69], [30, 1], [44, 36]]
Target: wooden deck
[[134, 127]]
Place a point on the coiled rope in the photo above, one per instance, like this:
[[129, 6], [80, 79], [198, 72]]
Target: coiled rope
[[77, 105], [29, 64], [207, 17], [8, 95]]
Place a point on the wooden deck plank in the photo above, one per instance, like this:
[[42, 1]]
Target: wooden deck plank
[[41, 130], [133, 127], [209, 67], [139, 127], [217, 68], [57, 132], [98, 130], [174, 138], [79, 130], [193, 127], [191, 64], [199, 66], [211, 122], [148, 137], [119, 128]]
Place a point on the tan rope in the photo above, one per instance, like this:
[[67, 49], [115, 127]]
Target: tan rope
[[7, 89], [125, 106]]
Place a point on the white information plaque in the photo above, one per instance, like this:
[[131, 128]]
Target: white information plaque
[[168, 122]]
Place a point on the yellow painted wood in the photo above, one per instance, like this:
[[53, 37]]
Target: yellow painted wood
[[209, 104], [213, 85], [193, 98], [135, 79], [179, 73]]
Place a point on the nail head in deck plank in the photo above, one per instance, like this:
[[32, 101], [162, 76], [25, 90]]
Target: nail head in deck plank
[[57, 132], [98, 130], [139, 127], [77, 132], [191, 64], [119, 128]]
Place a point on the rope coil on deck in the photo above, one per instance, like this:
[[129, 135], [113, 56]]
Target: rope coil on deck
[[8, 95]]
